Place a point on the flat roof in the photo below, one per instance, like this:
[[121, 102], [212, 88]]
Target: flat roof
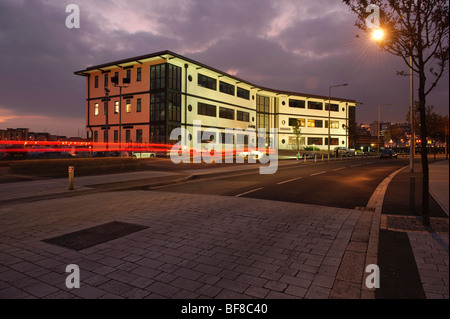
[[166, 53]]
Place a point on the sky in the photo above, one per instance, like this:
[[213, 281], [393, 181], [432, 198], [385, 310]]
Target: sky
[[291, 45]]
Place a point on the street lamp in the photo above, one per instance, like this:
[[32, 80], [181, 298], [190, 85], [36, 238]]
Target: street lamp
[[126, 83], [379, 35], [379, 127], [329, 115]]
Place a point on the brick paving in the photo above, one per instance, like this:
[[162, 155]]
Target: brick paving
[[195, 246]]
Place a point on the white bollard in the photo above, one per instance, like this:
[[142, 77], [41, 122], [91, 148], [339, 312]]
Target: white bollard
[[71, 173]]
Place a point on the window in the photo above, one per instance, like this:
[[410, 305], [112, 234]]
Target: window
[[242, 116], [207, 82], [315, 123], [128, 136], [105, 136], [174, 77], [158, 107], [95, 136], [315, 141], [206, 109], [96, 109], [297, 103], [334, 141], [293, 140], [138, 74], [129, 74], [334, 107], [139, 135], [106, 80], [334, 124], [226, 113], [158, 77], [115, 79], [243, 93], [138, 105], [315, 105], [226, 88], [293, 122], [116, 107], [128, 106], [116, 136], [157, 133], [174, 106], [96, 81]]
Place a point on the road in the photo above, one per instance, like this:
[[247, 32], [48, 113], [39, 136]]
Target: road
[[344, 184]]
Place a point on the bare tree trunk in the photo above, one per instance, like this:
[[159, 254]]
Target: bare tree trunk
[[424, 153]]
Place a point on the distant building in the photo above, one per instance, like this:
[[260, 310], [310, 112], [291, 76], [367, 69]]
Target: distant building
[[14, 134]]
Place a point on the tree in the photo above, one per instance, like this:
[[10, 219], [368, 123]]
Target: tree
[[297, 132], [437, 125], [395, 133], [416, 30]]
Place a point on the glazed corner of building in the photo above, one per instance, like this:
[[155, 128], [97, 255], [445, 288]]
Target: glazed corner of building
[[194, 91]]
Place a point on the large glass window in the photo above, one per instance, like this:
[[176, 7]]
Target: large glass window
[[206, 109], [157, 107], [334, 124], [174, 106], [315, 105], [334, 107], [207, 82], [157, 133], [158, 77], [334, 141], [226, 113], [243, 93], [294, 122], [226, 88], [315, 123], [315, 141], [297, 103], [174, 77], [243, 116], [262, 115]]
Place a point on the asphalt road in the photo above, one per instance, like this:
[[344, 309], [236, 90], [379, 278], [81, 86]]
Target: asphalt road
[[345, 184]]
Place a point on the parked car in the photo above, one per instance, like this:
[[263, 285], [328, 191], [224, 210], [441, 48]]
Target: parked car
[[387, 153], [143, 155], [343, 151]]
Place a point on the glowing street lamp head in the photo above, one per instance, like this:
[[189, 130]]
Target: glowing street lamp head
[[378, 34]]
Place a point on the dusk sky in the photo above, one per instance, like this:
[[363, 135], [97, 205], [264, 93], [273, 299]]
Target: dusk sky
[[291, 45]]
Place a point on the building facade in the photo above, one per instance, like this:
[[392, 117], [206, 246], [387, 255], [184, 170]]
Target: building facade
[[142, 99]]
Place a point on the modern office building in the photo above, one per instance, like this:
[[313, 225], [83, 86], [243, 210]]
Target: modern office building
[[142, 99]]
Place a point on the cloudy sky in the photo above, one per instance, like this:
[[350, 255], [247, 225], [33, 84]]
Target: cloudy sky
[[293, 45]]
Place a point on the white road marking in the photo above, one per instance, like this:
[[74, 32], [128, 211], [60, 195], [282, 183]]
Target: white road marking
[[318, 173], [290, 180], [254, 190], [337, 169], [356, 165]]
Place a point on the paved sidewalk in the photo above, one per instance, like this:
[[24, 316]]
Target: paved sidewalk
[[439, 183], [197, 246]]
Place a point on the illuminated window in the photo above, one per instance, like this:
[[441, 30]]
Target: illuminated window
[[315, 123], [96, 109], [293, 122], [116, 107], [128, 106]]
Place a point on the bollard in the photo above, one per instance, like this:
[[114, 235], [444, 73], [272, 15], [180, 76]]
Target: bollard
[[322, 157], [304, 157], [412, 193], [315, 158], [71, 171]]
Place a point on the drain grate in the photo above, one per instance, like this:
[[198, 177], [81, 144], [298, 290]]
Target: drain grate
[[89, 237]]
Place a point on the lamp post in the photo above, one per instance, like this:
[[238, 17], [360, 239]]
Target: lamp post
[[379, 127], [329, 115], [115, 82]]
